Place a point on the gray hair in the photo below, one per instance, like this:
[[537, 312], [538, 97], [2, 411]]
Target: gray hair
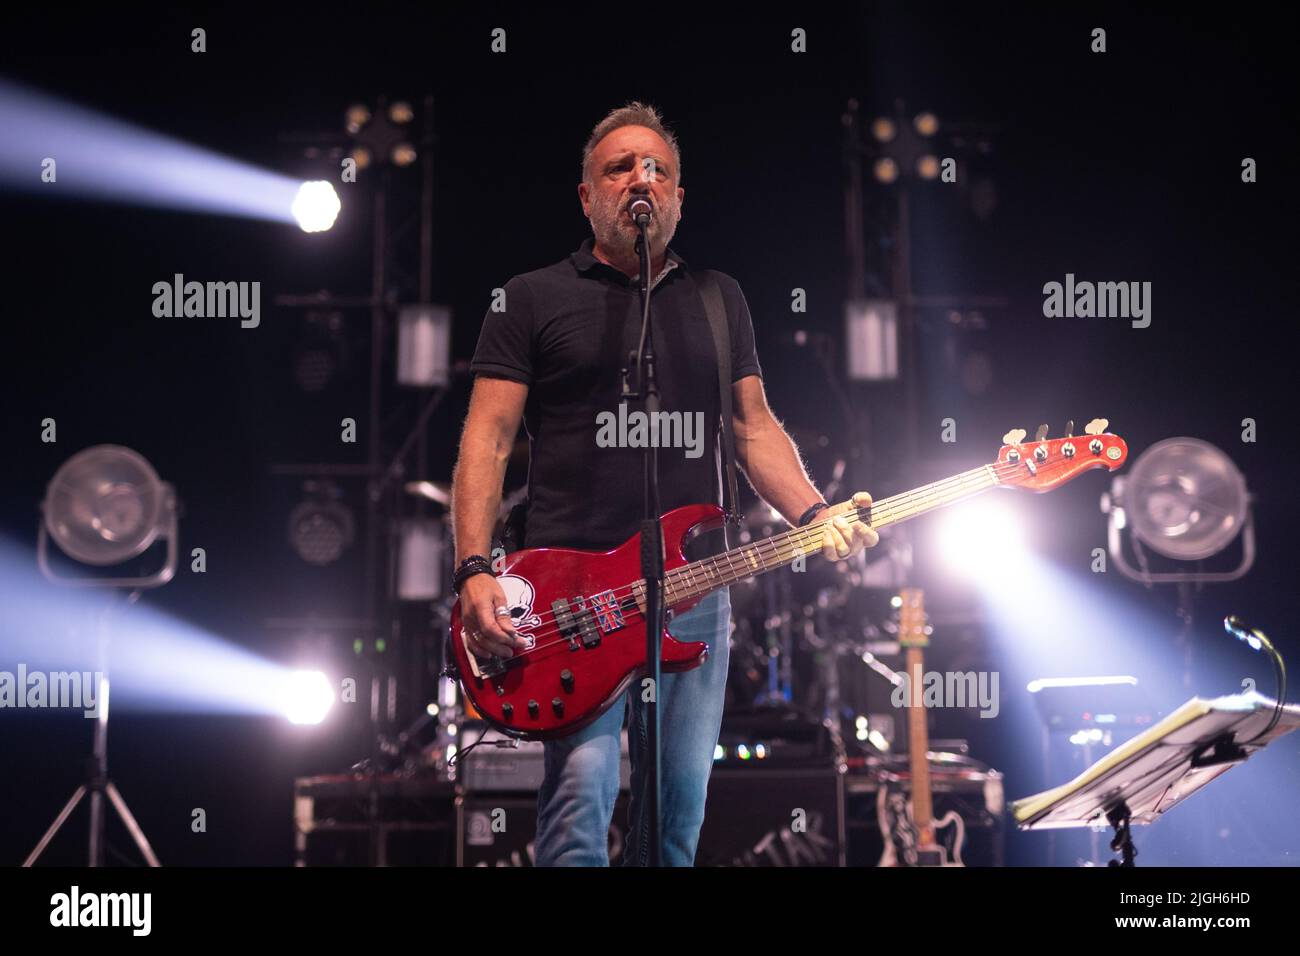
[[633, 114]]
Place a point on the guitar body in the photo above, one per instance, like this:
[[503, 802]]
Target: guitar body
[[903, 847], [574, 675]]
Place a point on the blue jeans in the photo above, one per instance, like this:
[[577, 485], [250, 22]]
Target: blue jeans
[[576, 801]]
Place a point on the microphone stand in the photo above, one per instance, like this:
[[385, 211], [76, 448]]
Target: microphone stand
[[652, 549]]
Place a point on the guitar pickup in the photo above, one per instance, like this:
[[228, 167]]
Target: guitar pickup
[[576, 622]]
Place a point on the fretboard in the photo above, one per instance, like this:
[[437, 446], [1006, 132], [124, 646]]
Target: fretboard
[[701, 577]]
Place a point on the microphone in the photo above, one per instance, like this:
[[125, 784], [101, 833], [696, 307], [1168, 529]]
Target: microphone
[[1239, 629], [640, 209]]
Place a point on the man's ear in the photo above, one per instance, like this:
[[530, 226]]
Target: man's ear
[[681, 199], [583, 192]]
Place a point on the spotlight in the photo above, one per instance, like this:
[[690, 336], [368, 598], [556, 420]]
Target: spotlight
[[1187, 500], [307, 697], [401, 113], [361, 156], [885, 169], [321, 528], [105, 506], [883, 129], [114, 161], [356, 117], [316, 206], [927, 167], [403, 154], [927, 124], [1184, 499]]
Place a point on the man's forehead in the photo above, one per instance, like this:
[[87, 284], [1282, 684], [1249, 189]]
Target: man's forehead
[[632, 138]]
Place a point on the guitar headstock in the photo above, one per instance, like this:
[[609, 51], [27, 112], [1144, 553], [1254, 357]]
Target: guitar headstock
[[911, 618], [1043, 463]]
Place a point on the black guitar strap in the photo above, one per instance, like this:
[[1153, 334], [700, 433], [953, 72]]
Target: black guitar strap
[[716, 310]]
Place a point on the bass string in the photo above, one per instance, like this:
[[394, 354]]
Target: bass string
[[907, 504]]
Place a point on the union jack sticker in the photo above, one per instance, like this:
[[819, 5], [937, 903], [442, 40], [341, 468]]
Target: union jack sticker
[[609, 616]]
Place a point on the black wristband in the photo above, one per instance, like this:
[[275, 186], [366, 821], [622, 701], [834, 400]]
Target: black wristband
[[474, 564], [808, 515]]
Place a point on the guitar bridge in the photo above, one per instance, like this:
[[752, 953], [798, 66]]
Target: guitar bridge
[[483, 667]]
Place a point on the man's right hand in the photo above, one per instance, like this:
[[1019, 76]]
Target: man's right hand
[[490, 634]]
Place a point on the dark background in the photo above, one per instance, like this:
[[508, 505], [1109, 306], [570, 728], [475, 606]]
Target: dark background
[[1122, 166]]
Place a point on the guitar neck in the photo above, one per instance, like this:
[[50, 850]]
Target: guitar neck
[[918, 747], [709, 574]]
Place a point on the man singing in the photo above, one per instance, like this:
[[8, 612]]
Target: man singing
[[552, 357]]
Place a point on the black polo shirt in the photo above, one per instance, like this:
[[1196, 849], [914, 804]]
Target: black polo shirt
[[565, 332]]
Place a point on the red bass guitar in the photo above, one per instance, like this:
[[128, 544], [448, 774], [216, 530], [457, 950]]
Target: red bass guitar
[[585, 610]]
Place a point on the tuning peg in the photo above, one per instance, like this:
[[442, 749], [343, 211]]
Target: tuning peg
[[1096, 426], [1041, 433], [1069, 428], [1014, 437]]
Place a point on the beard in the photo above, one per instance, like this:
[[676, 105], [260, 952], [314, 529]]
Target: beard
[[616, 233]]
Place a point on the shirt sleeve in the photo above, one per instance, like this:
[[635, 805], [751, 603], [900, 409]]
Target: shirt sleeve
[[505, 343], [744, 355]]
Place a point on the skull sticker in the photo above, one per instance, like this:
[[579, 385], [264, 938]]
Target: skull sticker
[[519, 598]]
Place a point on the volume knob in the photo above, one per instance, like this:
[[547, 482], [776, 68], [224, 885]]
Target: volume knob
[[566, 680]]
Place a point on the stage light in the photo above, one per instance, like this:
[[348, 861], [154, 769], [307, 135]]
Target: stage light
[[1045, 683], [927, 167], [357, 116], [981, 540], [883, 129], [316, 206], [105, 505], [885, 169], [871, 335], [403, 154], [424, 345], [114, 161], [1185, 498], [307, 697], [927, 124], [421, 553], [320, 353], [321, 527], [385, 135]]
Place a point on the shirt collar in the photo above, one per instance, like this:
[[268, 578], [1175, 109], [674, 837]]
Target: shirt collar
[[584, 260]]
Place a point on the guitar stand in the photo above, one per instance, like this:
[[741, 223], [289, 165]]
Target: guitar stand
[[1122, 841]]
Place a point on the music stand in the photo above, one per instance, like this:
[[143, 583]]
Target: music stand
[[1141, 780]]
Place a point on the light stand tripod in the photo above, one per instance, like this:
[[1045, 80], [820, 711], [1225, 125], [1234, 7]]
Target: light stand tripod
[[97, 783]]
